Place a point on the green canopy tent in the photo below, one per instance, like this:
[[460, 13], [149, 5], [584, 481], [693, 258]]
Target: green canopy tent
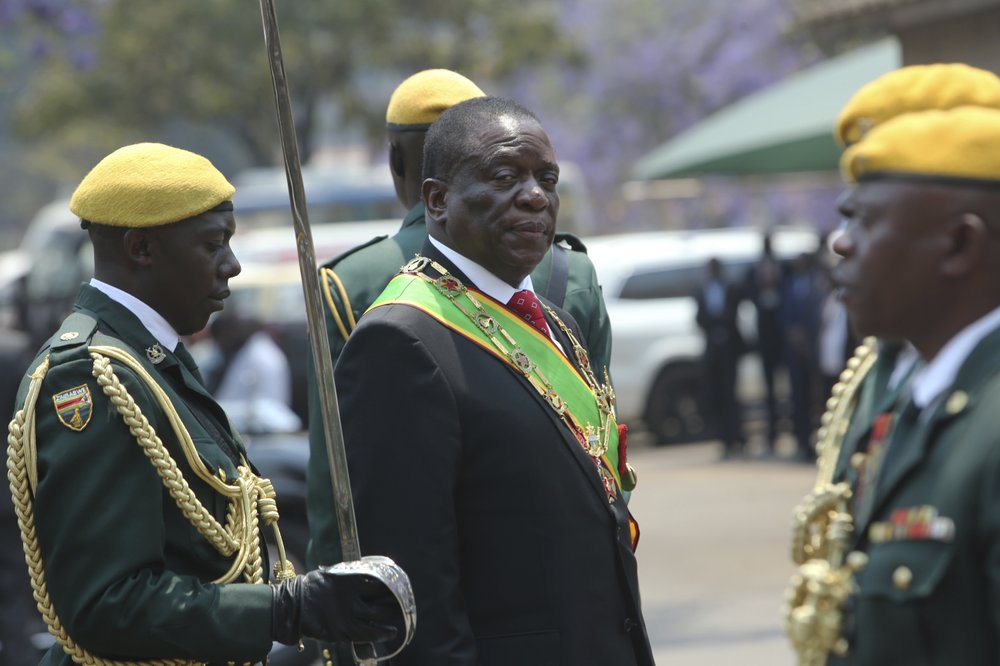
[[786, 128]]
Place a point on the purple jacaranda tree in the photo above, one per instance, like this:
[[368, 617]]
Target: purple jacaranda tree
[[654, 68]]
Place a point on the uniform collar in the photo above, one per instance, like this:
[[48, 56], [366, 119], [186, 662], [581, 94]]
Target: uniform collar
[[152, 320], [414, 216], [934, 378]]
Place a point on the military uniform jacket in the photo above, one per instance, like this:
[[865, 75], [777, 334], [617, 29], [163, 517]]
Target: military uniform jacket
[[874, 398], [930, 594], [463, 475], [128, 575]]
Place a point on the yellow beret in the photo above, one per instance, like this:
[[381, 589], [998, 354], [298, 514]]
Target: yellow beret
[[915, 88], [420, 99], [147, 185], [960, 145]]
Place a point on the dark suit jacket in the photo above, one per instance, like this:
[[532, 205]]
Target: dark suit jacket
[[722, 334], [473, 485]]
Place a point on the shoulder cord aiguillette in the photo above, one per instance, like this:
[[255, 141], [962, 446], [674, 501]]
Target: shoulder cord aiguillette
[[251, 498]]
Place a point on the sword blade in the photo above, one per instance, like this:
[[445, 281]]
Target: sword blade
[[320, 344]]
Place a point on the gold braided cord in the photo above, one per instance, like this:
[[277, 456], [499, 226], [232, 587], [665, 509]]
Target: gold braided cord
[[821, 530], [250, 497], [839, 409], [166, 468], [329, 276]]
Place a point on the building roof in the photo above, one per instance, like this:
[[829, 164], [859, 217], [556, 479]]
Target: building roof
[[783, 129], [827, 13]]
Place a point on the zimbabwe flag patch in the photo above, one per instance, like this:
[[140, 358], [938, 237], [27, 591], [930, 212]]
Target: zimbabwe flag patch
[[74, 407]]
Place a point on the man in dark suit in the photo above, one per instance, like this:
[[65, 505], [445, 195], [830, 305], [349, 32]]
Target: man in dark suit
[[717, 306], [483, 450], [763, 288], [140, 513]]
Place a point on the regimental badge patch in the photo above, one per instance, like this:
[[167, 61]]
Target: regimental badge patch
[[74, 407]]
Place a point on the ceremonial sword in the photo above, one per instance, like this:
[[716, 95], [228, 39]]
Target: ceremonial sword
[[379, 567]]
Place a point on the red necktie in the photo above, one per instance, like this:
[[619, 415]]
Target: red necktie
[[527, 307]]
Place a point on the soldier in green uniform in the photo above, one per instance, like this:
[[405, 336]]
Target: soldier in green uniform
[[914, 88], [920, 255], [140, 513], [876, 384]]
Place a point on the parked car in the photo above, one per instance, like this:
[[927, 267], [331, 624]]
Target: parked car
[[649, 280]]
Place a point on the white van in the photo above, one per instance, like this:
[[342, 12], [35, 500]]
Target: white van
[[649, 280]]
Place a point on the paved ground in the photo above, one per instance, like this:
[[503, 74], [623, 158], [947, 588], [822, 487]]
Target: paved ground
[[713, 555]]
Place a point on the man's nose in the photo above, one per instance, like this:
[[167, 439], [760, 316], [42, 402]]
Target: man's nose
[[533, 195], [231, 267]]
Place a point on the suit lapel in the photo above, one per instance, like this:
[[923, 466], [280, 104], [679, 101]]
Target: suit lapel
[[569, 439]]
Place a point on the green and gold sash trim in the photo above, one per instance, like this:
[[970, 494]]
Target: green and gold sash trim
[[568, 393]]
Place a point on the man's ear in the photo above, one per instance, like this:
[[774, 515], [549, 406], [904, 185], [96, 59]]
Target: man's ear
[[396, 162], [137, 243], [435, 196], [967, 242]]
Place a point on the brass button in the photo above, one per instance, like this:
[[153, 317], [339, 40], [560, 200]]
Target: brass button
[[326, 653], [902, 577], [858, 460], [857, 560], [69, 335], [956, 402]]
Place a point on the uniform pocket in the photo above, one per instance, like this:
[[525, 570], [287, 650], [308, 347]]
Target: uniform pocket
[[893, 589]]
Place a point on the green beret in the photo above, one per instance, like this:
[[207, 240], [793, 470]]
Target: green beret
[[147, 185], [959, 146], [419, 100], [915, 88]]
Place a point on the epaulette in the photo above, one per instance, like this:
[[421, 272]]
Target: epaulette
[[76, 329], [72, 338], [340, 257], [573, 242]]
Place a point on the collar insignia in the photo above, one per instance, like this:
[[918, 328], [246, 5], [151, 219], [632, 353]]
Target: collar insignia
[[155, 354]]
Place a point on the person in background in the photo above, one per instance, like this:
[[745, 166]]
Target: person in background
[[764, 289], [718, 302], [249, 375], [799, 316]]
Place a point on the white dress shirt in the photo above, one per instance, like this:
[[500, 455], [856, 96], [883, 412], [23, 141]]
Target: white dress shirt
[[150, 318], [932, 380], [487, 282]]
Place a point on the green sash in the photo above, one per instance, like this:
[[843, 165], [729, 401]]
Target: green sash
[[419, 291]]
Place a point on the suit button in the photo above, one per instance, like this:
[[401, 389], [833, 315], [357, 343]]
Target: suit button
[[628, 624]]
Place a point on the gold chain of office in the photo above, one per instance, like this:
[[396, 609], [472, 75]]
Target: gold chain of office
[[595, 441], [251, 498]]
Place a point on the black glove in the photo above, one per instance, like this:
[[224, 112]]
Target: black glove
[[355, 607]]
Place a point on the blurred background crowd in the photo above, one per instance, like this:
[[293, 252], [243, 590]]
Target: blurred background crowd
[[697, 157]]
